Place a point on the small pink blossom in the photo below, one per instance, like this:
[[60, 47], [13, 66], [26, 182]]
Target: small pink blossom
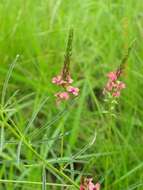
[[97, 186], [57, 80], [82, 187], [112, 76], [62, 95], [116, 94], [110, 85], [73, 90], [89, 185], [121, 85]]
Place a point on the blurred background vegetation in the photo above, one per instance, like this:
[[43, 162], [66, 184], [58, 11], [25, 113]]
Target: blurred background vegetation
[[37, 31]]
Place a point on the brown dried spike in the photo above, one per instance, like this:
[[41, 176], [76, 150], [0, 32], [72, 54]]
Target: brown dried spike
[[122, 66], [66, 67]]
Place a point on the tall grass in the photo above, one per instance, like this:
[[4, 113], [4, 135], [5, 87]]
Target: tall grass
[[43, 146]]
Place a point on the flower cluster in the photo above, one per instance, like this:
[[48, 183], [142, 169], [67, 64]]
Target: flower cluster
[[87, 184], [66, 84], [114, 86], [64, 79]]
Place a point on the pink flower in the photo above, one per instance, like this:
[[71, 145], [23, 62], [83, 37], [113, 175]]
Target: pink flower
[[89, 185], [57, 80], [112, 76], [82, 187], [116, 94], [62, 95], [97, 186], [73, 90], [110, 85], [121, 85]]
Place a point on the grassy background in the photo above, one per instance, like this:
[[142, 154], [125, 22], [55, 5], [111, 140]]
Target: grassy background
[[37, 30]]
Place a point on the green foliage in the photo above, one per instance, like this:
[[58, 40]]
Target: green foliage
[[43, 146]]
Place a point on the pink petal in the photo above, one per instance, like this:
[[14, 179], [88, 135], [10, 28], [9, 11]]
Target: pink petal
[[112, 76], [121, 85], [73, 90], [91, 186], [57, 80], [116, 94], [82, 187], [110, 85], [97, 186], [62, 95]]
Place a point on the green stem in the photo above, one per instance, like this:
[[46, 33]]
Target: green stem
[[62, 146], [34, 183]]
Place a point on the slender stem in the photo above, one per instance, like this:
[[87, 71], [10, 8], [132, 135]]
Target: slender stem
[[62, 146], [34, 182], [2, 133], [2, 138]]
